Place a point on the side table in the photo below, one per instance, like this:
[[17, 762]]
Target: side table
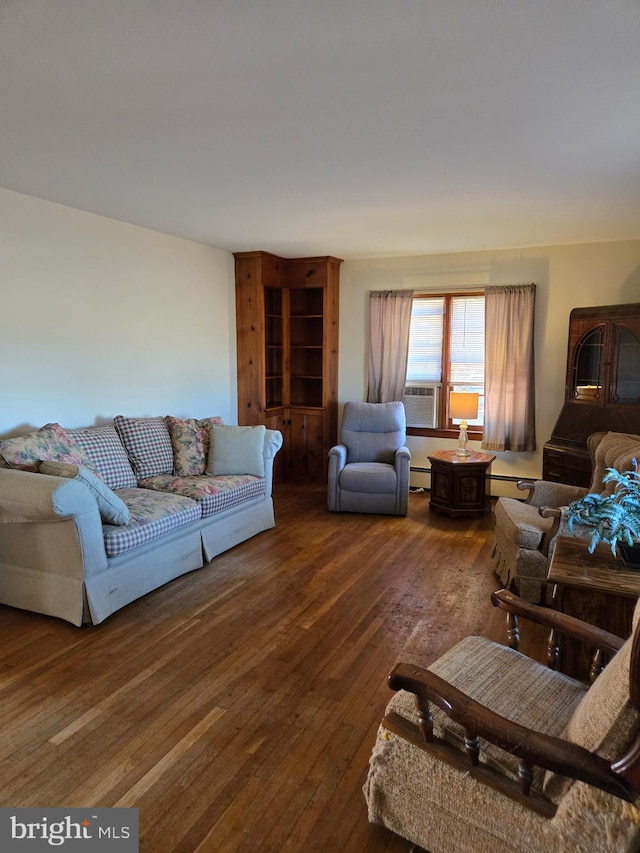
[[460, 484], [595, 588]]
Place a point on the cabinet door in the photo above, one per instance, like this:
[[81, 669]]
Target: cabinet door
[[586, 370], [625, 380], [306, 459], [604, 367]]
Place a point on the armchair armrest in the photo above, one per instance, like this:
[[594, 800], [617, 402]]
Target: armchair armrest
[[336, 462], [560, 622], [338, 456], [402, 464], [546, 493], [403, 453], [531, 747]]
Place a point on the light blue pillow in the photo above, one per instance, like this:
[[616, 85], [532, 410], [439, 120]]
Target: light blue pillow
[[113, 510], [237, 450]]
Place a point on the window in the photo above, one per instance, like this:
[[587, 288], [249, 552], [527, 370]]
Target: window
[[446, 353]]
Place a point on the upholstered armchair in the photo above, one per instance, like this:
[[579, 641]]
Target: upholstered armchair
[[369, 469], [526, 530], [489, 750]]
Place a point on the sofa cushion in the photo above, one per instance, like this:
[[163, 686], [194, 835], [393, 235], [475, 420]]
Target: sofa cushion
[[108, 456], [190, 441], [214, 494], [50, 442], [113, 510], [236, 450], [153, 514], [147, 443]]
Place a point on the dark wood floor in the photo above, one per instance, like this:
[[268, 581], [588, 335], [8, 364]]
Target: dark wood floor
[[236, 707]]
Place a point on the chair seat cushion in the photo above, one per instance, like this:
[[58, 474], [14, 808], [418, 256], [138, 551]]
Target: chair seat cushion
[[521, 523], [370, 477], [511, 684]]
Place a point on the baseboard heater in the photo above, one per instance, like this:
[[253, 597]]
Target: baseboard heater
[[498, 478]]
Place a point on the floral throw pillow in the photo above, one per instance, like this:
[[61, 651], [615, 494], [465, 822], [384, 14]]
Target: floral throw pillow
[[49, 443], [190, 443]]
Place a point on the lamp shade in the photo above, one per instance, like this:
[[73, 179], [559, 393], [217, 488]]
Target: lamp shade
[[463, 405]]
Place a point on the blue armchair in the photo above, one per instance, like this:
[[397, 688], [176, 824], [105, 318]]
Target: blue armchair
[[369, 469]]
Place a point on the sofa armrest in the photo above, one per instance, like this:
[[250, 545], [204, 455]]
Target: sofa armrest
[[272, 443], [27, 502], [26, 496]]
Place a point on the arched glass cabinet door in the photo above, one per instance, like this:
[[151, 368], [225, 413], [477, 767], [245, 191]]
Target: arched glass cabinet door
[[625, 385], [587, 366]]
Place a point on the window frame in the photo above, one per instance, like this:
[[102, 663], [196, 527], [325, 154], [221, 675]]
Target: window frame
[[452, 430]]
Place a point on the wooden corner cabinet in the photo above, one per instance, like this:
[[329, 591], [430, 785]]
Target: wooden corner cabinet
[[602, 390], [287, 341]]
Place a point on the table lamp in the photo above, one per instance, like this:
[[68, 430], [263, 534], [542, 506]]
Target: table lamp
[[463, 406]]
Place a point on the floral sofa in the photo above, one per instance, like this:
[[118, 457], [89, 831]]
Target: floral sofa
[[93, 518]]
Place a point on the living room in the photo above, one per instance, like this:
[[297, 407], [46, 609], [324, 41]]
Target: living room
[[119, 319], [119, 298]]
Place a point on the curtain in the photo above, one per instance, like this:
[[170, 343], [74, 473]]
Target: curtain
[[390, 319], [509, 415]]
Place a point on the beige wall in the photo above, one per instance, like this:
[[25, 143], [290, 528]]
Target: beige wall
[[99, 318], [566, 277]]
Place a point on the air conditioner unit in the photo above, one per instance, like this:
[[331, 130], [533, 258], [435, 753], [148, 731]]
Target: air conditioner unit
[[421, 405]]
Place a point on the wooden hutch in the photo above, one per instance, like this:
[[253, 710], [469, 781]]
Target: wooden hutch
[[602, 391], [287, 342]]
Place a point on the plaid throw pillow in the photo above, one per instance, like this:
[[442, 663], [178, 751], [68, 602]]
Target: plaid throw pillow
[[107, 454], [147, 443]]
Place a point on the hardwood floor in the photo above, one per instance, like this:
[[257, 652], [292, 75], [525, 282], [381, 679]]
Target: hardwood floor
[[236, 707]]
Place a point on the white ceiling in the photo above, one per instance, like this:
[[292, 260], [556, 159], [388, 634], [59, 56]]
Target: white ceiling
[[346, 127]]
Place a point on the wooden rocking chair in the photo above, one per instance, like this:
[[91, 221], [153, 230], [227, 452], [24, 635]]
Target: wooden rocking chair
[[489, 750]]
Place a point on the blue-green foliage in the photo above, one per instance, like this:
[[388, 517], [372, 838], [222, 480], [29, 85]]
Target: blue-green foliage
[[615, 517]]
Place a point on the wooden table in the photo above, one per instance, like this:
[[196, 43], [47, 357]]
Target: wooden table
[[460, 484], [593, 587]]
